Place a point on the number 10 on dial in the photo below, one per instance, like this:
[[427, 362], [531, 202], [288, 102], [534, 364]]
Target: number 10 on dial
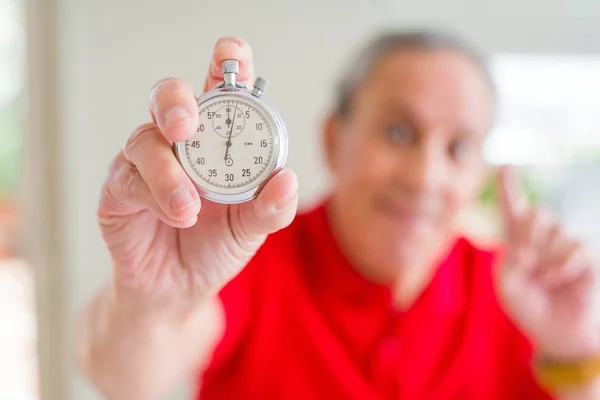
[[240, 142]]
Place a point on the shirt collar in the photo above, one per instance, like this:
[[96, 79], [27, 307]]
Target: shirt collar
[[331, 270]]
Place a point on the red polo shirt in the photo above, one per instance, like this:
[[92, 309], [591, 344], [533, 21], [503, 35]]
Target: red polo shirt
[[301, 323]]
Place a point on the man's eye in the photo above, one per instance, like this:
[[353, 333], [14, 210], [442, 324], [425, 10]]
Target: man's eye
[[399, 134], [460, 149]]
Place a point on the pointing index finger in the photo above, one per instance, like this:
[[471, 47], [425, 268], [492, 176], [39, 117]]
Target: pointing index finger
[[510, 197]]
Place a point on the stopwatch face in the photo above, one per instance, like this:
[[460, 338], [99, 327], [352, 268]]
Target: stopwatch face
[[235, 148]]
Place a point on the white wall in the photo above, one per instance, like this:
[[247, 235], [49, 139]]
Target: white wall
[[111, 52]]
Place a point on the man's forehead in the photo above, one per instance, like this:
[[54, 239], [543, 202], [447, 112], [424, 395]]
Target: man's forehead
[[416, 67], [443, 83]]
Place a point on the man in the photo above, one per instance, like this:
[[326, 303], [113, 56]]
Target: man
[[371, 295]]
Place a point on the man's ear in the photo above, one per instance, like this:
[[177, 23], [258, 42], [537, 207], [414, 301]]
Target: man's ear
[[332, 126]]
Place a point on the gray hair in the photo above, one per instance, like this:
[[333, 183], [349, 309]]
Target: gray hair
[[381, 46]]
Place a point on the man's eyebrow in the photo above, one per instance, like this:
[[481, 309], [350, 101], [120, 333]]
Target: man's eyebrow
[[464, 131], [398, 109], [393, 107]]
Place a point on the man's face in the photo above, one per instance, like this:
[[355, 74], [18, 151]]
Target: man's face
[[407, 158]]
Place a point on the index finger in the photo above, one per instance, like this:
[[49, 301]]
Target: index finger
[[230, 48], [511, 199], [173, 107]]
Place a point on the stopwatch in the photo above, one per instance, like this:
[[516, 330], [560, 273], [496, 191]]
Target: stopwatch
[[241, 141]]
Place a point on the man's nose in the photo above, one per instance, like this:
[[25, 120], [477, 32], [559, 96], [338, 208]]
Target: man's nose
[[426, 167]]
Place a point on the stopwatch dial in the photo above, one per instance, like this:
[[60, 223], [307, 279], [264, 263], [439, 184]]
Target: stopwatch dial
[[227, 120], [237, 154]]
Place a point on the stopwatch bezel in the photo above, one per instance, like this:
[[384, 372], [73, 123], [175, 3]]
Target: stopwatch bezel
[[280, 150]]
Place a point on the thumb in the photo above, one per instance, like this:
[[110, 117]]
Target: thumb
[[274, 208]]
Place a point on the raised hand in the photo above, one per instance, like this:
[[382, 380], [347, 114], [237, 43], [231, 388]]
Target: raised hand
[[163, 240], [546, 280]]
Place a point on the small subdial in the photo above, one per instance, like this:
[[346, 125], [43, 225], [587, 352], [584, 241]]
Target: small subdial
[[228, 120]]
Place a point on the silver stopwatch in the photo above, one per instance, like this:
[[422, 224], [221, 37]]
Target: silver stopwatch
[[240, 143]]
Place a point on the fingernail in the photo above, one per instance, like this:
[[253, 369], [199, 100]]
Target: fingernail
[[181, 199], [227, 43], [176, 116]]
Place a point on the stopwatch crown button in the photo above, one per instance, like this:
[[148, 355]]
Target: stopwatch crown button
[[260, 85], [230, 67]]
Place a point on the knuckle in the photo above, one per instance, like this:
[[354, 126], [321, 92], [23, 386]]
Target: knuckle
[[115, 168], [529, 217], [129, 179], [168, 85], [555, 228], [115, 164], [142, 133], [246, 233], [168, 91], [164, 84], [535, 214], [171, 174], [122, 177], [546, 215], [570, 250], [578, 246]]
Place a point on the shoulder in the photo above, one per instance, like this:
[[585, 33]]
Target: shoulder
[[481, 274], [510, 347], [479, 255], [258, 286], [478, 265]]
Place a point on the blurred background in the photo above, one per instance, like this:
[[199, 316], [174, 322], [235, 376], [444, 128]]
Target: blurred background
[[74, 81]]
